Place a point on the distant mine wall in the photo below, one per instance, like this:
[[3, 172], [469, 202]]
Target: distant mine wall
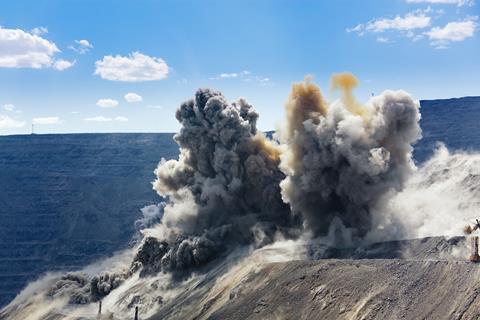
[[66, 200], [451, 121]]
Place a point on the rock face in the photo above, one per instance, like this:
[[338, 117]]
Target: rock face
[[66, 200], [451, 121]]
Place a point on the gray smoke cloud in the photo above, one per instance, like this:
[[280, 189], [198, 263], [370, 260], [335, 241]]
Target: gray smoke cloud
[[340, 159], [335, 162], [82, 289], [222, 192]]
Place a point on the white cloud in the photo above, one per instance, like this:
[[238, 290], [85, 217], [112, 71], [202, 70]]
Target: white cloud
[[155, 107], [456, 31], [46, 120], [20, 49], [81, 46], [413, 36], [107, 103], [358, 29], [383, 40], [9, 107], [413, 26], [244, 75], [7, 123], [411, 21], [98, 119], [136, 67], [229, 75], [456, 2], [133, 97], [263, 79], [84, 43], [61, 65], [38, 31], [105, 119]]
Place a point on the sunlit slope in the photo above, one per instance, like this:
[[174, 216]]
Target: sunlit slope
[[359, 289]]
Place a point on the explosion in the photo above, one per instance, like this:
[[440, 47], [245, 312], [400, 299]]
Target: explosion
[[324, 173], [232, 186], [340, 159], [222, 192]]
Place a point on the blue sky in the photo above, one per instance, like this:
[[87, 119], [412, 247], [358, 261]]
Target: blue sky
[[67, 65]]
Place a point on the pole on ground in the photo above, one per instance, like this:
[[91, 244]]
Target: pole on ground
[[136, 313], [475, 257], [100, 307]]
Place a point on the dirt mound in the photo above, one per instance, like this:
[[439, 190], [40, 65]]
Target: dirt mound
[[358, 289], [427, 278]]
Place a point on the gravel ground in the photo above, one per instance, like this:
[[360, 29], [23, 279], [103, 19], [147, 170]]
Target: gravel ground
[[359, 289], [426, 278]]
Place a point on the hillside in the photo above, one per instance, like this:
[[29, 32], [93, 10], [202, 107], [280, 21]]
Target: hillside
[[451, 121], [358, 289], [68, 199], [411, 279]]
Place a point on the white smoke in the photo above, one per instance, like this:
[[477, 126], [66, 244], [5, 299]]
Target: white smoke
[[151, 215], [439, 199]]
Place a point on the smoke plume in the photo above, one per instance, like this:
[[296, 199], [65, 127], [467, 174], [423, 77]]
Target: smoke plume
[[438, 200], [341, 158], [334, 164], [222, 192], [82, 289]]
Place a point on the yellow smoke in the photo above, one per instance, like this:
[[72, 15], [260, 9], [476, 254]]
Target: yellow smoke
[[266, 146], [346, 82], [305, 102]]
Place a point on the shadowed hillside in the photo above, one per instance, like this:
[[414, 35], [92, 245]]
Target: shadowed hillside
[[451, 121], [68, 199]]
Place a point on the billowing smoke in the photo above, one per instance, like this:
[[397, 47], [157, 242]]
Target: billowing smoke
[[82, 289], [335, 162], [439, 199], [222, 192], [333, 168], [340, 159]]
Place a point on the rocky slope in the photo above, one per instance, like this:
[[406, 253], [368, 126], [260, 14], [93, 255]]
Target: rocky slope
[[426, 278], [451, 121], [412, 279], [66, 200], [359, 289]]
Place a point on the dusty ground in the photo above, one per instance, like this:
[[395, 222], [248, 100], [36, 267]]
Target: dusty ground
[[358, 289], [416, 279], [426, 278]]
